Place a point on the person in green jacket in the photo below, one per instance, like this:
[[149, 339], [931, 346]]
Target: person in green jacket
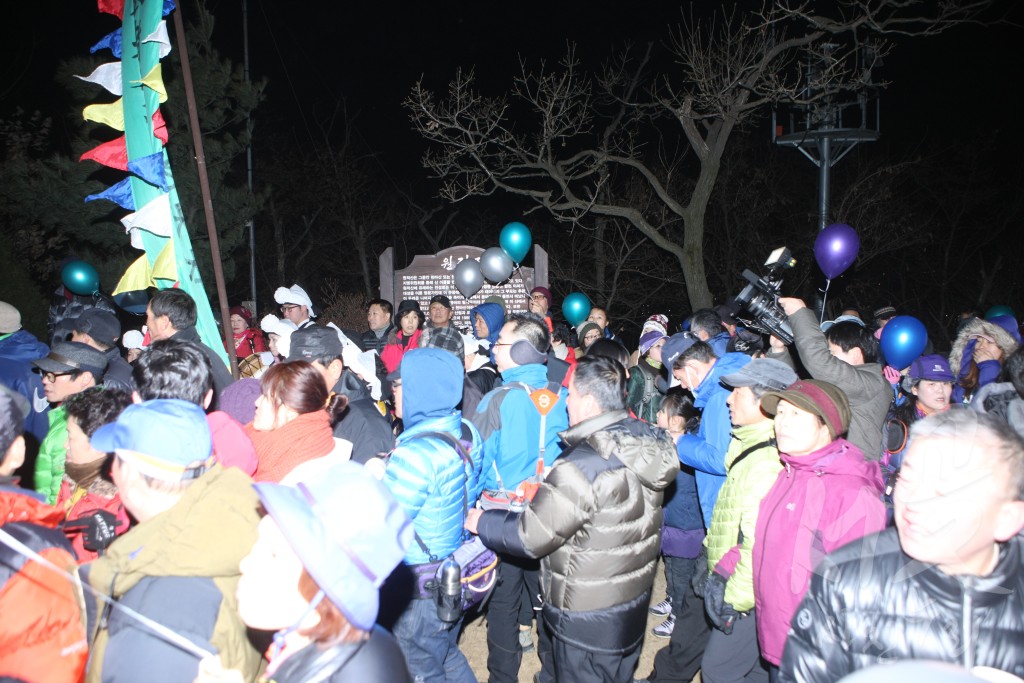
[[69, 368], [752, 465]]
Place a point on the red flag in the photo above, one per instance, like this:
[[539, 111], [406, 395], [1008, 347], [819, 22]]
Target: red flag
[[115, 7], [159, 127], [113, 154]]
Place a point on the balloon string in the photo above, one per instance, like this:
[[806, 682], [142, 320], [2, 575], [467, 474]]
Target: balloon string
[[522, 280], [824, 300]]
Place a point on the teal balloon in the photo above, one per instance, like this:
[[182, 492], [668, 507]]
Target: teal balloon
[[80, 278], [576, 308], [903, 339], [515, 240], [996, 311]]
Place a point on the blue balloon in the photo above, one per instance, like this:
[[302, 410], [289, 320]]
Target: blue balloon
[[80, 278], [576, 308], [835, 249], [903, 339], [515, 240]]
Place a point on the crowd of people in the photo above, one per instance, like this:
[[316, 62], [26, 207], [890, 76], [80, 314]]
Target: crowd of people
[[816, 511]]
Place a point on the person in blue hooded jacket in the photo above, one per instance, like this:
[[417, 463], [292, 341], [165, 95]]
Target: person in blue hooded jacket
[[18, 348], [433, 484], [487, 321]]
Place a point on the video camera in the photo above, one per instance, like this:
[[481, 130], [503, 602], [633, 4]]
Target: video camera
[[760, 297]]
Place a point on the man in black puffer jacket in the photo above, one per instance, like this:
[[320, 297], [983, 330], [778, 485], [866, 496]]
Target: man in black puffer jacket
[[947, 584], [595, 523]]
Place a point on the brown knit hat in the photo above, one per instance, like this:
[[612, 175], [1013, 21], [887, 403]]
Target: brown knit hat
[[825, 400]]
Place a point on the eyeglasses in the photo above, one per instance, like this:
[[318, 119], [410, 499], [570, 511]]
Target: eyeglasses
[[396, 384], [287, 307], [497, 344], [51, 377]]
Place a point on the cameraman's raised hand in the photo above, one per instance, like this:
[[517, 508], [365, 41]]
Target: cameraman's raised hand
[[791, 305]]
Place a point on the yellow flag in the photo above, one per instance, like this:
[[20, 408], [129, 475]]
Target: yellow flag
[[165, 268], [138, 276], [154, 80], [111, 114]]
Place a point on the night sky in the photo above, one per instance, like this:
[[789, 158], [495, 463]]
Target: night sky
[[954, 86]]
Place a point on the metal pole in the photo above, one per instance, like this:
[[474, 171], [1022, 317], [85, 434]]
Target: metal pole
[[204, 186], [824, 179], [248, 160]]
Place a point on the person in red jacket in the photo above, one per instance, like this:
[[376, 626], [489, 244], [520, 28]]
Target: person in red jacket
[[88, 497], [248, 339], [409, 321], [42, 632]]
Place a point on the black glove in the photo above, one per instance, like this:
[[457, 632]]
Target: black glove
[[700, 572], [98, 528], [721, 613]]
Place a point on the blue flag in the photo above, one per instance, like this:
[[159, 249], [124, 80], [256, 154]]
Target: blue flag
[[120, 194], [112, 40], [151, 169]]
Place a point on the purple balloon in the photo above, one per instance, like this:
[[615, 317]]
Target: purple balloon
[[835, 249]]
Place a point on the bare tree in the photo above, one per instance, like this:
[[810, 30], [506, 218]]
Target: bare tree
[[569, 140]]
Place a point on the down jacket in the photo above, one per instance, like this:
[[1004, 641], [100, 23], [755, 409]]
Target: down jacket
[[857, 614], [735, 516], [595, 523], [425, 474], [820, 502]]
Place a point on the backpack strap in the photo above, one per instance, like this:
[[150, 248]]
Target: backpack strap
[[756, 447]]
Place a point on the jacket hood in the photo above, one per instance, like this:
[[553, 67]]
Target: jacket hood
[[978, 326], [431, 384], [726, 365], [352, 386], [645, 450], [23, 346], [492, 315], [838, 457], [205, 534]]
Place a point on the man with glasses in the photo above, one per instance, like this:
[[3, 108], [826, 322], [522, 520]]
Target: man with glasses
[[517, 436], [296, 306], [69, 368]]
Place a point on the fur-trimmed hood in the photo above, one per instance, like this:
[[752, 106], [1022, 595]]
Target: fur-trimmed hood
[[979, 326]]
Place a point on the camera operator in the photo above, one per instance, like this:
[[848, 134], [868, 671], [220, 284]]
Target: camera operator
[[845, 355]]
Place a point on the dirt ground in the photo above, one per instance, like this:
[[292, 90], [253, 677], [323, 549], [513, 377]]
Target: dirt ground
[[474, 642]]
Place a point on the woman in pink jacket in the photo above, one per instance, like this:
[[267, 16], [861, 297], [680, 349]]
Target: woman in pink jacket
[[826, 497]]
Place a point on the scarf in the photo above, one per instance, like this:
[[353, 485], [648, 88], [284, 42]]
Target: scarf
[[279, 451], [83, 474]]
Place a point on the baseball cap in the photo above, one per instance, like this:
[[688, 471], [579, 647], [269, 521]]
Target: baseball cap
[[71, 356], [674, 347], [314, 342], [933, 368], [99, 324], [166, 438], [10, 318], [823, 399], [762, 372], [649, 339], [727, 312], [348, 561], [441, 299], [841, 319], [293, 295]]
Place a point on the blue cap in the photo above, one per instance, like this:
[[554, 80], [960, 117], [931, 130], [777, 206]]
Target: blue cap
[[167, 439], [349, 532], [934, 368], [841, 319], [674, 347]]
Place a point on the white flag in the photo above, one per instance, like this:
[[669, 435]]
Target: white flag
[[108, 75], [154, 217], [160, 36]]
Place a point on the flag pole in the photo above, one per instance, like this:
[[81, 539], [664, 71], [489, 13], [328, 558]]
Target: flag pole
[[204, 187]]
